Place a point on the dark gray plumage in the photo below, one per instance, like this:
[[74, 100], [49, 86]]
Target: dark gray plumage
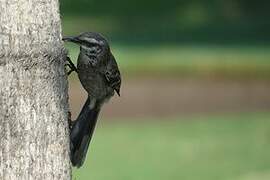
[[100, 77]]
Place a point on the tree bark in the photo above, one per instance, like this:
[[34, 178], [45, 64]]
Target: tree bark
[[34, 141]]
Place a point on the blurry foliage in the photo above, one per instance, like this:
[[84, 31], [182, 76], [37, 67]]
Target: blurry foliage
[[171, 20], [155, 8]]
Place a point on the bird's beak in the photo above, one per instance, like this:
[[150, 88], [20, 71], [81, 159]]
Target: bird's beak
[[73, 39]]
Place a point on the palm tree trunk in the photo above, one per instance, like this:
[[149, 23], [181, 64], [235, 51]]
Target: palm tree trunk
[[34, 141]]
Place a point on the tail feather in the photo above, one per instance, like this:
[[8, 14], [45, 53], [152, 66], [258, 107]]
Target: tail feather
[[81, 133]]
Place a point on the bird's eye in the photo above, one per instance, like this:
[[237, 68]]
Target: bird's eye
[[92, 51], [98, 50]]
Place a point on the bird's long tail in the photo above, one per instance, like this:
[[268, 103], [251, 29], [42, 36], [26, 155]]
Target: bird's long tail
[[81, 133]]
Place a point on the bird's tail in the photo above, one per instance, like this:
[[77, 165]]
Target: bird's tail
[[81, 133]]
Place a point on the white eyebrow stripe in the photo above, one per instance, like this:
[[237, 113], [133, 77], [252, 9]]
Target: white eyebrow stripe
[[91, 40]]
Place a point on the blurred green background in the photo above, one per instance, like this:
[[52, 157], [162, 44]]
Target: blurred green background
[[195, 94]]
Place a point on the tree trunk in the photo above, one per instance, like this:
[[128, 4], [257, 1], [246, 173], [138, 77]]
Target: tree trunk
[[34, 133]]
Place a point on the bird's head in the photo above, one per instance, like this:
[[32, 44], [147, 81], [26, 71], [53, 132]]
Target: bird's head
[[92, 44]]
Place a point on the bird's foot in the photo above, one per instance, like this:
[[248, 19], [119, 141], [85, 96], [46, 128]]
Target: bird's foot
[[71, 66]]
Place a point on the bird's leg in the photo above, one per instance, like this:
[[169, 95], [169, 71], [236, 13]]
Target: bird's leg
[[71, 70], [71, 66]]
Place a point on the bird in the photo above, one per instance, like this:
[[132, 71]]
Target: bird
[[99, 75]]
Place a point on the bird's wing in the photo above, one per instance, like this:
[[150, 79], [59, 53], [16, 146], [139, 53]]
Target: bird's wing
[[113, 75]]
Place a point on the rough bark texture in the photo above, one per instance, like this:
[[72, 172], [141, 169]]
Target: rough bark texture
[[33, 92]]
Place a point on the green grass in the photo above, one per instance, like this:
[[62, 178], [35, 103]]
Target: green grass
[[230, 147], [199, 61]]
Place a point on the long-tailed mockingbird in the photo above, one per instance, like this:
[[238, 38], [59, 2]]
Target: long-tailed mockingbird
[[100, 77]]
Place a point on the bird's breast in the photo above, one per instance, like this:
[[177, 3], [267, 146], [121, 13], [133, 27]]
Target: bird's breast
[[94, 83]]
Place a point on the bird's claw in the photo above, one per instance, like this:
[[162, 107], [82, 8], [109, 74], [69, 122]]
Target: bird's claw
[[71, 66]]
